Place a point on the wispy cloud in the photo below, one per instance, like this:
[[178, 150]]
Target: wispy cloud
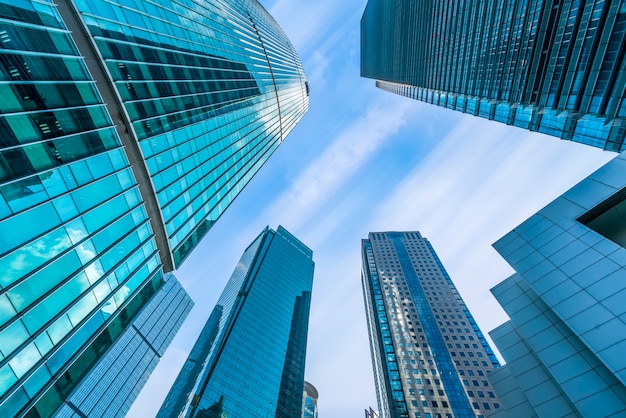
[[346, 154], [481, 181], [310, 24], [316, 29]]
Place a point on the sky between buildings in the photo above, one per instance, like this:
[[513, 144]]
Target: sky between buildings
[[365, 160]]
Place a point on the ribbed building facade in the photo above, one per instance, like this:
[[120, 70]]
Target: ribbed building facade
[[126, 129], [429, 357], [110, 388], [249, 358], [555, 67], [565, 342]]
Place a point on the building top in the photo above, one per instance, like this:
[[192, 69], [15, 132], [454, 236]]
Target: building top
[[188, 105], [267, 297], [310, 390]]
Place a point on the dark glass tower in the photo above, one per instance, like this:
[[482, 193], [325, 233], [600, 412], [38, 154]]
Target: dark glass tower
[[552, 66], [249, 358], [126, 129], [430, 359]]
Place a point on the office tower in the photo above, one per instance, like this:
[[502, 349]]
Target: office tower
[[565, 342], [126, 128], [429, 357], [249, 358], [109, 390], [555, 67], [309, 401]]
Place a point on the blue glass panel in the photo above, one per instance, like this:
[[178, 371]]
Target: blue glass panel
[[27, 258], [21, 228]]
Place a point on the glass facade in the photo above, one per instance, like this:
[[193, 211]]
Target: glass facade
[[249, 359], [210, 89], [126, 129], [430, 359], [555, 67], [564, 344], [77, 252], [111, 387]]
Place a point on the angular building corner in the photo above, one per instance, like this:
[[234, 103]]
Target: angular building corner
[[428, 354], [126, 129], [249, 358], [565, 342], [556, 67]]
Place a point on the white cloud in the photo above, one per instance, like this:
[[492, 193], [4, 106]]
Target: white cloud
[[311, 23], [482, 180], [324, 176]]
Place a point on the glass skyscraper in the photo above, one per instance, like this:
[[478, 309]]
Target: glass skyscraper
[[109, 390], [565, 342], [249, 358], [555, 67], [429, 357], [126, 129]]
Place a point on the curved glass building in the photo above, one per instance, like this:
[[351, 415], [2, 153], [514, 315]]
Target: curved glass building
[[555, 67], [126, 129]]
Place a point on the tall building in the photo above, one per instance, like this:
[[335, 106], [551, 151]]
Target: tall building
[[429, 357], [249, 358], [126, 129], [309, 401], [565, 342], [555, 67], [109, 390]]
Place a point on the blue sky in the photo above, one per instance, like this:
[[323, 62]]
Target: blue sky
[[366, 160]]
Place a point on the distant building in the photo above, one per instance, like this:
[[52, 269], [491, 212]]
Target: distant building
[[249, 359], [370, 413], [555, 67], [429, 357], [565, 343], [126, 129], [309, 401]]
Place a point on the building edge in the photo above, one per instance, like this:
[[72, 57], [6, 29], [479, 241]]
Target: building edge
[[104, 83]]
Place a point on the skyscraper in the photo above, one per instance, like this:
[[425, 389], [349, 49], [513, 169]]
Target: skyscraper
[[429, 357], [565, 342], [309, 401], [555, 67], [126, 129], [110, 388], [249, 358]]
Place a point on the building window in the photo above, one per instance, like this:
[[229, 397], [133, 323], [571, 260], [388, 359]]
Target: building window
[[609, 218]]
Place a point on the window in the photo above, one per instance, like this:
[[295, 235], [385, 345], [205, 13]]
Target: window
[[608, 218]]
